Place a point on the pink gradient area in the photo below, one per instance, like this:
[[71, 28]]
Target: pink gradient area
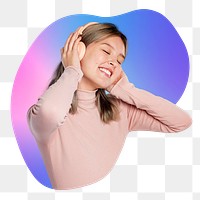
[[27, 77], [30, 82]]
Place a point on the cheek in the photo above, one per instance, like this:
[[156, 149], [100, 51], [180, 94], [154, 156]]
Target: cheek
[[92, 60], [87, 66]]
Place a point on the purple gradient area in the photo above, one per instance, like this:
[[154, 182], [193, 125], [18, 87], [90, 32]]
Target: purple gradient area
[[157, 61]]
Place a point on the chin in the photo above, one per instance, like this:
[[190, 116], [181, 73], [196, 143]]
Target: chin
[[99, 83], [102, 86]]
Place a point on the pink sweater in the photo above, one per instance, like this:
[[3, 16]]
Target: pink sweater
[[80, 149]]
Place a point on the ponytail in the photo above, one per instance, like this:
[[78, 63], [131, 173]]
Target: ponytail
[[107, 106]]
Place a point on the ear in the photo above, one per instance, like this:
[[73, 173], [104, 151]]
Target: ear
[[81, 50]]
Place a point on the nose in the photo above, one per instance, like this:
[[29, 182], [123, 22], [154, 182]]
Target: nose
[[112, 63]]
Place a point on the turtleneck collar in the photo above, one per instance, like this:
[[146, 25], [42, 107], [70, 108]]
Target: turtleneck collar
[[86, 98]]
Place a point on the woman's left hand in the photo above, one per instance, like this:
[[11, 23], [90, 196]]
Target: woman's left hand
[[117, 75]]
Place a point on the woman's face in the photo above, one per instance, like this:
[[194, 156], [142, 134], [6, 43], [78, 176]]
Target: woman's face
[[101, 61]]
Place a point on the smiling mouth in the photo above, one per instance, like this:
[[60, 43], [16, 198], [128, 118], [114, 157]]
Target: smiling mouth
[[107, 72]]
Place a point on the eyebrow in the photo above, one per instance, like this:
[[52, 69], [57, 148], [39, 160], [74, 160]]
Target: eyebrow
[[113, 48]]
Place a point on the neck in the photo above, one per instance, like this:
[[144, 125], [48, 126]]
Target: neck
[[86, 98], [86, 84]]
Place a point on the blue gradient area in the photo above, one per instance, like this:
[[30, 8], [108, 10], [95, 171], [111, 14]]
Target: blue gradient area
[[157, 61]]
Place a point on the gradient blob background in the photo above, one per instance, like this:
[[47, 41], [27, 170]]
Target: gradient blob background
[[157, 61]]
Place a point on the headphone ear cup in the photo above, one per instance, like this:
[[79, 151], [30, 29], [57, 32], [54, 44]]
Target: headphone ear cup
[[81, 50]]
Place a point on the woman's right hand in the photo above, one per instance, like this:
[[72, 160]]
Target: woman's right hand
[[69, 53]]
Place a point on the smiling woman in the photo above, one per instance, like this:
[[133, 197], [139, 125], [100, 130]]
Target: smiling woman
[[107, 54], [100, 64], [79, 128]]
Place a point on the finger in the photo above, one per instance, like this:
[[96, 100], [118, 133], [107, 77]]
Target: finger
[[124, 75], [79, 30], [76, 43], [118, 71], [117, 74], [62, 51], [67, 42], [66, 46], [73, 36], [72, 40]]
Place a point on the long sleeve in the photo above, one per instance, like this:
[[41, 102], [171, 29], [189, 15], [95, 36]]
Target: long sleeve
[[52, 107], [148, 112]]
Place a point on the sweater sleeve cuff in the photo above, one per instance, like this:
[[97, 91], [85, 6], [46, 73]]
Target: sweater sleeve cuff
[[120, 86], [77, 70]]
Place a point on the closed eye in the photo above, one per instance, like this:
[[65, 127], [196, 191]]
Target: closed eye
[[119, 62], [106, 52], [109, 54]]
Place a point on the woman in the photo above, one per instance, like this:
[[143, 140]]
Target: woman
[[80, 128]]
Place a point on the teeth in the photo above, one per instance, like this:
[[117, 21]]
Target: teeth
[[106, 71]]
